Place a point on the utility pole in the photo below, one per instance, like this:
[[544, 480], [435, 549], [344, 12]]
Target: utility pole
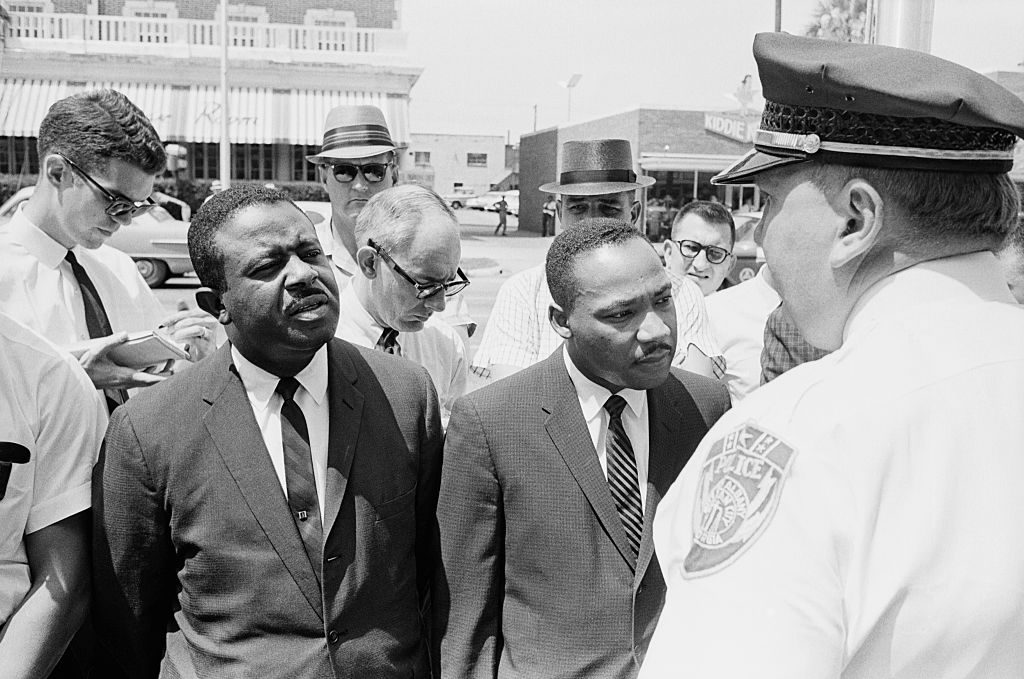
[[901, 23], [778, 16], [535, 117], [225, 139]]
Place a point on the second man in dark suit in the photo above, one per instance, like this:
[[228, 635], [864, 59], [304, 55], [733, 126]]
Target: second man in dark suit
[[552, 476], [282, 492]]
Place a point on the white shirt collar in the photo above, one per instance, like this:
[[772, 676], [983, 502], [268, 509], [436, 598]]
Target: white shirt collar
[[36, 241], [356, 315], [261, 384], [593, 396]]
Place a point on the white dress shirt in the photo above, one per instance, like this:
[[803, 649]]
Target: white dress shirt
[[592, 398], [738, 316], [519, 334], [437, 347], [38, 288], [311, 397], [859, 516], [48, 405]]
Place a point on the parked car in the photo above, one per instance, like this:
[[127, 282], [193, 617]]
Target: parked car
[[319, 212], [458, 198], [488, 201], [749, 257], [155, 240]]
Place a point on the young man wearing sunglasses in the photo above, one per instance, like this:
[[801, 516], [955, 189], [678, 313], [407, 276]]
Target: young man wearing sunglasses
[[356, 162], [99, 156], [703, 235], [408, 260]]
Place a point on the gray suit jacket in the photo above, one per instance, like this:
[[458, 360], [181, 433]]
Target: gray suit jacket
[[538, 579], [188, 510]]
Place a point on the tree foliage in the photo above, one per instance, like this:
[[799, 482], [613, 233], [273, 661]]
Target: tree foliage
[[841, 20]]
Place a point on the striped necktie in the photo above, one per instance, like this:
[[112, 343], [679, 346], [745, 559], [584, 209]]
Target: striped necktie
[[298, 473], [622, 476], [96, 321]]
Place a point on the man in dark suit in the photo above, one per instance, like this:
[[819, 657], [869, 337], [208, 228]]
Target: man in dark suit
[[548, 561], [282, 492]]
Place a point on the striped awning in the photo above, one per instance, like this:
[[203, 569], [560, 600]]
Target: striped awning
[[192, 113]]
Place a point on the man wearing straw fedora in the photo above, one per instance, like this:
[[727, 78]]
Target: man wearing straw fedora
[[356, 162], [596, 180]]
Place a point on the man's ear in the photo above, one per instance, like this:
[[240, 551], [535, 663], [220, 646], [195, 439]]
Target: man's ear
[[559, 320], [634, 213], [861, 207], [367, 259], [666, 249], [55, 169], [210, 302]]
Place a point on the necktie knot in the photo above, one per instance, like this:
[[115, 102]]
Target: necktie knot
[[614, 405], [287, 388], [71, 259], [388, 342]]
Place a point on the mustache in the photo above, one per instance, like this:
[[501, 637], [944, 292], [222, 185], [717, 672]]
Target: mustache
[[653, 348], [302, 298]]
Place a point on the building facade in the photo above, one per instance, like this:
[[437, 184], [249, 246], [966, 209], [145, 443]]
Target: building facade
[[451, 163], [289, 62]]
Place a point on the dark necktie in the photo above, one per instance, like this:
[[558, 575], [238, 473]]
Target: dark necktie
[[622, 477], [388, 342], [96, 321], [298, 473]]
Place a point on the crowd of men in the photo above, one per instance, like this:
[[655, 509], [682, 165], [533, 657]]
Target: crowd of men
[[319, 496]]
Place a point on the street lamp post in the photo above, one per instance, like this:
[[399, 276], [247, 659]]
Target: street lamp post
[[225, 140]]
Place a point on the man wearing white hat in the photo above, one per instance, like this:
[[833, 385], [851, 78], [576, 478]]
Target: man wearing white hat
[[596, 180], [357, 161]]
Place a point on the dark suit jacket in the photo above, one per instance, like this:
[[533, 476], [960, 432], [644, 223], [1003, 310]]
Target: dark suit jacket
[[186, 503], [538, 578]]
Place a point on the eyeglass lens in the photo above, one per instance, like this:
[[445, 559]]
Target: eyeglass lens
[[372, 172], [715, 255]]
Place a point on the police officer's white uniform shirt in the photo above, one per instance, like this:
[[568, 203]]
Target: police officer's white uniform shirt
[[860, 517], [48, 405], [456, 311], [38, 288], [437, 347], [738, 316]]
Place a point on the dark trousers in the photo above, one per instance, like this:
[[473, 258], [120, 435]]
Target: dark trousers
[[547, 225]]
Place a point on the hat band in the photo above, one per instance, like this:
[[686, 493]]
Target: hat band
[[595, 176], [812, 143], [356, 135]]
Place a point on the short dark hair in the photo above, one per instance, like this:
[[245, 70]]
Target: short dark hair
[[975, 209], [589, 234], [711, 212], [207, 259], [92, 128]]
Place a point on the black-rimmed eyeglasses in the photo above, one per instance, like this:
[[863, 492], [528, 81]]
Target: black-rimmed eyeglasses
[[117, 206], [373, 173], [691, 248], [424, 290]]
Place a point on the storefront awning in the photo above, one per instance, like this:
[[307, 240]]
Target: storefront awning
[[684, 162], [192, 113]]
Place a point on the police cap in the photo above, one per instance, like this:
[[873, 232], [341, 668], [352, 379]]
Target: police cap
[[875, 106]]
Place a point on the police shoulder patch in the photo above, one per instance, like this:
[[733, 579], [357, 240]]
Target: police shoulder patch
[[739, 489]]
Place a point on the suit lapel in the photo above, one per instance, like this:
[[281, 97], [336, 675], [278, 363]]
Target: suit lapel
[[346, 403], [568, 431], [676, 427], [237, 437]]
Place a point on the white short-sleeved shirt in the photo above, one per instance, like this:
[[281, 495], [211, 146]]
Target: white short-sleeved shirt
[[738, 315], [437, 347], [48, 405], [38, 288], [859, 517], [456, 311], [518, 332]]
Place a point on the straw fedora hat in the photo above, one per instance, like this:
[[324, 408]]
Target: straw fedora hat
[[596, 167], [354, 132]]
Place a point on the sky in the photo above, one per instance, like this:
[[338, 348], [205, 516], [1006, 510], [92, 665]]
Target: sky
[[487, 63]]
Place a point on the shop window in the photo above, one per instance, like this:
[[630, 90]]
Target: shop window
[[476, 160], [422, 158]]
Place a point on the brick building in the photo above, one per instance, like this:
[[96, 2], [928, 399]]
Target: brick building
[[289, 63]]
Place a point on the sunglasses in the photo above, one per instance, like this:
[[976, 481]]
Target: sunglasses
[[424, 290], [117, 206], [373, 173], [691, 248]]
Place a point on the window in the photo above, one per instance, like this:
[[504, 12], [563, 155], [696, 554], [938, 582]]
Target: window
[[330, 17], [476, 160], [422, 157], [32, 7]]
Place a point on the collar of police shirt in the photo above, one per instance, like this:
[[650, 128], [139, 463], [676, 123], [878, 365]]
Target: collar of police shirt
[[592, 398], [335, 250]]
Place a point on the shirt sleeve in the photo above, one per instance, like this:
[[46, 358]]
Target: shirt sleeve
[[692, 319], [512, 334], [71, 424]]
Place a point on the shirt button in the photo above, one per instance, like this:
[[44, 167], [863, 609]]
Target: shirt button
[[333, 637]]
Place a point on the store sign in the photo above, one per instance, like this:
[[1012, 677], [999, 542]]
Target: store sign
[[732, 126]]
